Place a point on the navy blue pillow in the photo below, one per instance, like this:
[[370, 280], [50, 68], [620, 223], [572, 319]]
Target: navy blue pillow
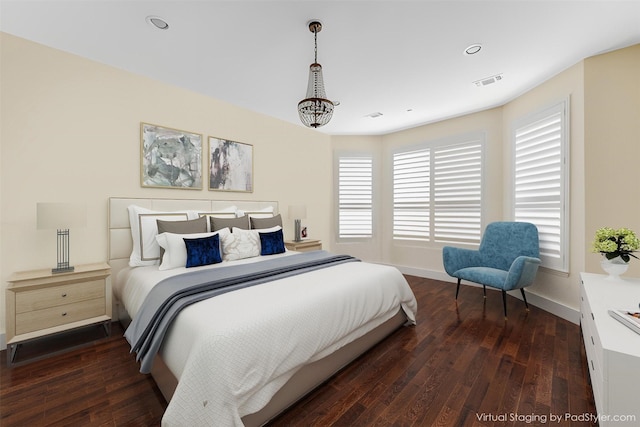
[[203, 251], [271, 243]]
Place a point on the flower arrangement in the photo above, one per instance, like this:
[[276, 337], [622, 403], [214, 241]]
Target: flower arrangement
[[614, 243]]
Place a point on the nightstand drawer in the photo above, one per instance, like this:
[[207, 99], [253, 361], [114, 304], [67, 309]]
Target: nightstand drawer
[[39, 299], [59, 315]]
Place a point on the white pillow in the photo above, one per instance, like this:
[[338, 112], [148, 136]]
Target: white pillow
[[240, 244], [175, 251], [243, 243], [144, 229]]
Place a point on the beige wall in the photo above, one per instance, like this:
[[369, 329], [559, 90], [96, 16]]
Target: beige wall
[[562, 289], [370, 250], [604, 93], [71, 132], [612, 146], [428, 256]]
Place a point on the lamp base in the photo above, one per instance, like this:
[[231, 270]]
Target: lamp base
[[58, 270], [296, 224]]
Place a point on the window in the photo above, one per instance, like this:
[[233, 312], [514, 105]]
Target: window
[[540, 191], [411, 194], [437, 192], [355, 196]]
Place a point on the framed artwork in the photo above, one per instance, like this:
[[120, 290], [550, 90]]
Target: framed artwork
[[170, 158], [230, 165]]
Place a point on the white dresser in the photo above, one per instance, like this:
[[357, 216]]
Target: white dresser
[[613, 350]]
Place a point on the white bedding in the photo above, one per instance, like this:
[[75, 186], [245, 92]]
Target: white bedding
[[233, 352]]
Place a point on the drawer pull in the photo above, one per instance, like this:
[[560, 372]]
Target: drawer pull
[[592, 341], [64, 314], [64, 295], [592, 316], [592, 365]]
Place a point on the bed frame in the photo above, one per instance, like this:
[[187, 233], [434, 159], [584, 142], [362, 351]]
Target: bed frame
[[305, 380]]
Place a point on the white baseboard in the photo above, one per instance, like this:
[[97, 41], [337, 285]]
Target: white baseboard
[[543, 303]]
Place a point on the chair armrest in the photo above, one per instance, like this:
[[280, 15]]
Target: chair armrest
[[522, 272], [455, 259]]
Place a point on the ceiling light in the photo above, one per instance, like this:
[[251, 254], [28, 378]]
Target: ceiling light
[[315, 110], [374, 115], [473, 49], [157, 22]]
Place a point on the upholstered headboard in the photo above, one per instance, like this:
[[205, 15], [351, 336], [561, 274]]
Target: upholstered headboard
[[120, 241]]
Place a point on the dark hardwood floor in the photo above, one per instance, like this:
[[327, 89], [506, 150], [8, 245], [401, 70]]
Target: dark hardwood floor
[[462, 365]]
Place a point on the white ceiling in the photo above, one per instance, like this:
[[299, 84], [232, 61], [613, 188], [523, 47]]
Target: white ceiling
[[377, 56]]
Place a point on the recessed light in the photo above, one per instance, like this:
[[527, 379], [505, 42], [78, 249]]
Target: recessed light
[[157, 22], [473, 49], [374, 115]]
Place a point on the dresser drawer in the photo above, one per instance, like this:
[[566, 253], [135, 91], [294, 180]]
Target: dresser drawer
[[59, 315], [38, 299]]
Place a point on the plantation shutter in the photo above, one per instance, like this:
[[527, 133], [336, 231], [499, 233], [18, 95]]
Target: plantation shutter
[[411, 194], [355, 197], [457, 193], [540, 189]]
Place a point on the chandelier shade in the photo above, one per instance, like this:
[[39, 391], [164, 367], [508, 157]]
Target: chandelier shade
[[315, 110]]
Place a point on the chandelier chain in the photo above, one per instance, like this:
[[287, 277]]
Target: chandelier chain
[[315, 40]]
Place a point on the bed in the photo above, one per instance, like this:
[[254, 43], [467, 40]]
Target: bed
[[244, 356]]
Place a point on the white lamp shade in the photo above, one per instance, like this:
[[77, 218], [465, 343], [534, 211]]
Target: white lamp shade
[[297, 211], [61, 215]]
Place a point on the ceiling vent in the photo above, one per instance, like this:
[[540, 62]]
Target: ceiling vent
[[374, 115], [488, 80]]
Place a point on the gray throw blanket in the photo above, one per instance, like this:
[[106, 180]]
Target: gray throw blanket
[[171, 295]]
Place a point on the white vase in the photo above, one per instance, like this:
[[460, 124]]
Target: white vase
[[614, 267]]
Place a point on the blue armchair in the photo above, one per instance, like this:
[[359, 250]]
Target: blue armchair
[[508, 258]]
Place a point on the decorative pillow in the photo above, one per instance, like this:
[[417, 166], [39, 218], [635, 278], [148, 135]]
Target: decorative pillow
[[144, 229], [181, 227], [240, 244], [260, 213], [231, 223], [203, 251], [175, 255], [272, 243], [229, 212], [259, 223]]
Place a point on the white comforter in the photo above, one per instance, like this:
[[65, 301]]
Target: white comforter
[[233, 352]]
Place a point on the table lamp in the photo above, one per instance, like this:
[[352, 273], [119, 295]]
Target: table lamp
[[61, 217], [298, 213]]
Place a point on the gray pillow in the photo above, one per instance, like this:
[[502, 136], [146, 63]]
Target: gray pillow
[[260, 223], [182, 227], [220, 223]]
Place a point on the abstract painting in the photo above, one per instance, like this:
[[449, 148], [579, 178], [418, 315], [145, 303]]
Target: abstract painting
[[171, 158], [230, 165]]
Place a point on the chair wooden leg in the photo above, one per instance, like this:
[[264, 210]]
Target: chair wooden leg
[[524, 298], [504, 302], [458, 289], [484, 291]]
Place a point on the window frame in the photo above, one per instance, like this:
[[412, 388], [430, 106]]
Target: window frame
[[472, 138], [338, 155], [562, 107]]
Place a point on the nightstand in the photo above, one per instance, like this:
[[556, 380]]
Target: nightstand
[[40, 303], [304, 245]]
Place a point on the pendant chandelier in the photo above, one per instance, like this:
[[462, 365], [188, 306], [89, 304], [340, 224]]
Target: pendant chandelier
[[315, 110]]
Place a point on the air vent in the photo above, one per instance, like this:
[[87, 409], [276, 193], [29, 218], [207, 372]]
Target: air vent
[[488, 80], [374, 115]]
